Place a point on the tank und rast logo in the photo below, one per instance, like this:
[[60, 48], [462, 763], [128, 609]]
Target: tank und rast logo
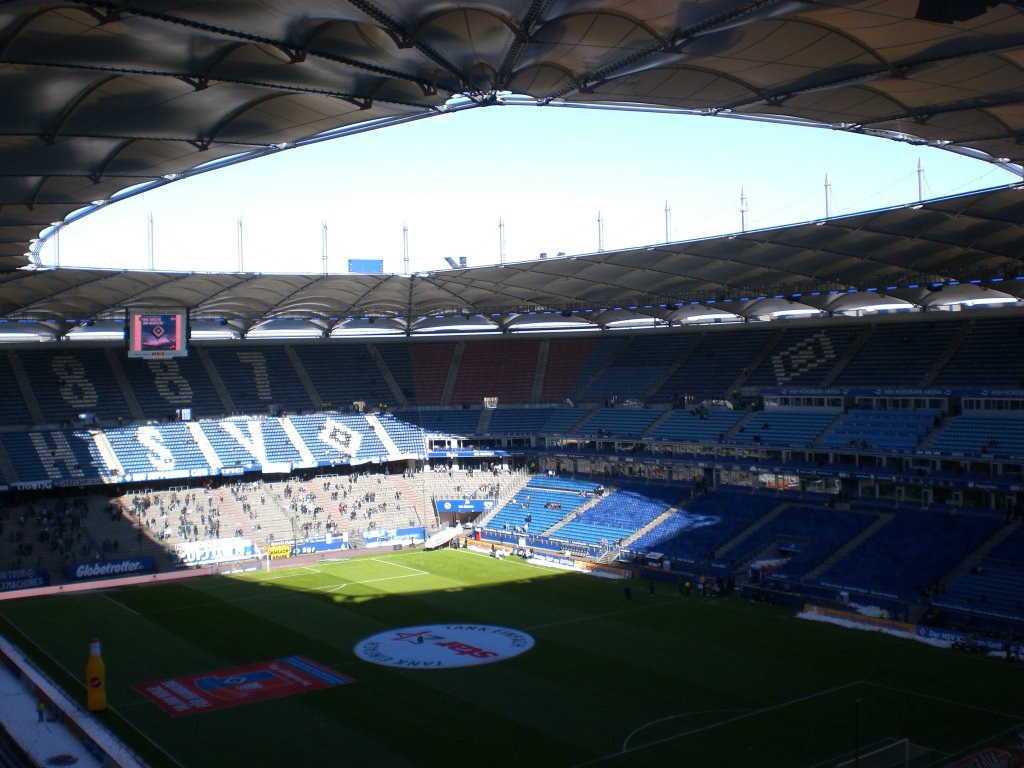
[[443, 646]]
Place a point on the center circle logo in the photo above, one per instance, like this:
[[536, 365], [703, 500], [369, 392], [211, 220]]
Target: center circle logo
[[443, 646]]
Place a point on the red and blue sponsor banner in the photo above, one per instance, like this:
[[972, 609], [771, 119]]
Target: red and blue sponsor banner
[[265, 680]]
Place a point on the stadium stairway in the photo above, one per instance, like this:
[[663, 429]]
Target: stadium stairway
[[382, 435], [657, 423], [453, 373], [25, 387], [303, 376], [7, 470], [762, 355], [483, 424], [852, 351], [216, 380], [106, 450], [671, 369], [307, 457], [883, 519], [935, 433], [751, 529], [537, 390], [581, 391], [572, 515], [385, 373], [412, 498], [649, 527], [978, 555], [122, 382], [594, 410], [947, 354], [205, 447]]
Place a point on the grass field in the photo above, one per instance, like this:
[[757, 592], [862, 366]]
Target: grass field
[[659, 679]]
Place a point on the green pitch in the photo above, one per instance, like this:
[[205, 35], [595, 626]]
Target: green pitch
[[658, 679]]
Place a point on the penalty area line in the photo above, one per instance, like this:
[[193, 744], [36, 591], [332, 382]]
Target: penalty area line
[[747, 714], [635, 731], [383, 561], [336, 587]]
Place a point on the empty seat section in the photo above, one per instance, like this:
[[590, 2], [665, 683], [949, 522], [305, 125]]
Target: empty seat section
[[803, 357], [637, 368], [57, 456], [603, 351], [995, 434], [899, 354], [906, 556], [73, 381], [562, 420], [343, 373], [885, 429], [982, 359], [259, 378], [778, 426], [502, 368], [408, 437], [231, 452], [443, 421], [995, 587], [165, 385], [14, 411], [566, 359], [715, 364], [619, 422], [696, 425], [534, 510], [618, 515], [518, 421], [806, 536], [430, 365], [339, 438], [155, 448], [695, 533], [396, 357]]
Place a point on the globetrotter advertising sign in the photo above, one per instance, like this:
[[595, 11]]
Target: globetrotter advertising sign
[[443, 646], [208, 691], [110, 568]]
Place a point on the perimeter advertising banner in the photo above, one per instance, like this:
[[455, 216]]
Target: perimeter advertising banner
[[106, 569], [208, 691], [215, 551], [388, 537], [23, 578], [279, 551], [326, 543], [465, 505]]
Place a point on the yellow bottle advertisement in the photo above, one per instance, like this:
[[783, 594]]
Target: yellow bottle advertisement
[[95, 679]]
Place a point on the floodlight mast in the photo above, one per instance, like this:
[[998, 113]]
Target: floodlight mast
[[323, 244], [405, 246]]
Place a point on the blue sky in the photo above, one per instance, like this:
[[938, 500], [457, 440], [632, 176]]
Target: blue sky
[[547, 173]]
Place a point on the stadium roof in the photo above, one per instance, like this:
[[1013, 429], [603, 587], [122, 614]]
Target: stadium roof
[[106, 99], [965, 247]]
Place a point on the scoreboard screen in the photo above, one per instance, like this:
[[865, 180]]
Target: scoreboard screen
[[157, 333]]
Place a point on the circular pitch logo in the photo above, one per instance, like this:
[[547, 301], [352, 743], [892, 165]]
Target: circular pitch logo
[[443, 646]]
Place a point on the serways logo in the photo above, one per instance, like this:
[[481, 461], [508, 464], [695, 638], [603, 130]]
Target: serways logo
[[443, 646]]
